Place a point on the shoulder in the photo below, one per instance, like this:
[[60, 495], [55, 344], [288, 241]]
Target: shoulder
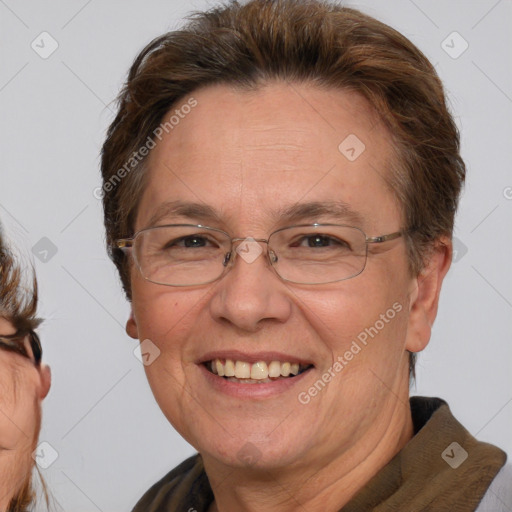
[[498, 497], [183, 487]]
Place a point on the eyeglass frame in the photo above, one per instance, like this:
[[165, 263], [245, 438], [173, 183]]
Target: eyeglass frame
[[8, 342], [128, 243]]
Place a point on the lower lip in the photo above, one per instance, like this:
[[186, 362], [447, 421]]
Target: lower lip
[[240, 390]]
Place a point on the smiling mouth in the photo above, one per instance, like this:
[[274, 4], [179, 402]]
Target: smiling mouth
[[260, 372]]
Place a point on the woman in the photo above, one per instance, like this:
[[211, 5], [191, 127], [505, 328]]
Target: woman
[[24, 383], [283, 247]]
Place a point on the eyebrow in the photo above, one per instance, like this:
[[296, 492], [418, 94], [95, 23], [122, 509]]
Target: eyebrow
[[335, 210], [332, 210], [183, 209]]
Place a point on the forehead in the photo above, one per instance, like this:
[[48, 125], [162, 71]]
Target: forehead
[[251, 154]]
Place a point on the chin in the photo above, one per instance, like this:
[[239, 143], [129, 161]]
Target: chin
[[261, 446]]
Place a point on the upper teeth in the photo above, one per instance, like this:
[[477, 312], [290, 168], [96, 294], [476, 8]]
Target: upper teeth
[[257, 371]]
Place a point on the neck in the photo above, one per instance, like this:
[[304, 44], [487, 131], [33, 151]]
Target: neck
[[318, 485]]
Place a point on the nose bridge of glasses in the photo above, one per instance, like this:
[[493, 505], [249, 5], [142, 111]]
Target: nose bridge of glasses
[[249, 239], [249, 249]]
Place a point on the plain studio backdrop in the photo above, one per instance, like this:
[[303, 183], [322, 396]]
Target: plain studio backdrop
[[62, 63]]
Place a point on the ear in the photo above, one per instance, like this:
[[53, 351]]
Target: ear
[[131, 326], [46, 381], [424, 298]]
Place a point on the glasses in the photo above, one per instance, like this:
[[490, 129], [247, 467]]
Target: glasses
[[16, 343], [191, 255]]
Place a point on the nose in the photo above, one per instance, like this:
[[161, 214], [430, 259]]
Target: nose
[[250, 294]]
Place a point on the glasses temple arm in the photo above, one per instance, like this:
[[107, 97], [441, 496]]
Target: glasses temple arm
[[383, 238], [123, 243]]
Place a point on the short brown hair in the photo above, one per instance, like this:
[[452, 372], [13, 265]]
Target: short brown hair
[[18, 302]]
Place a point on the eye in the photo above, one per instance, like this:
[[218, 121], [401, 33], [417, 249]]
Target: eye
[[320, 240], [190, 241]]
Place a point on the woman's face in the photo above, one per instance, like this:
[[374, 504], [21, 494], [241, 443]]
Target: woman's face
[[249, 157], [23, 385]]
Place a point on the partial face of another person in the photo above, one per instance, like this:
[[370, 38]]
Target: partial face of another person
[[23, 385], [250, 163]]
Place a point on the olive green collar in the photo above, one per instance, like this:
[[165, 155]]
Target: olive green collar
[[442, 468]]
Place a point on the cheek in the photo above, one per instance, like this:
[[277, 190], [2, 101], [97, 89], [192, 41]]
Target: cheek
[[166, 320], [15, 468], [157, 309], [168, 374], [364, 336], [368, 327], [165, 315], [21, 415]]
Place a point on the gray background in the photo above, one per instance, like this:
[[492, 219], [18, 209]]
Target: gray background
[[100, 417]]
